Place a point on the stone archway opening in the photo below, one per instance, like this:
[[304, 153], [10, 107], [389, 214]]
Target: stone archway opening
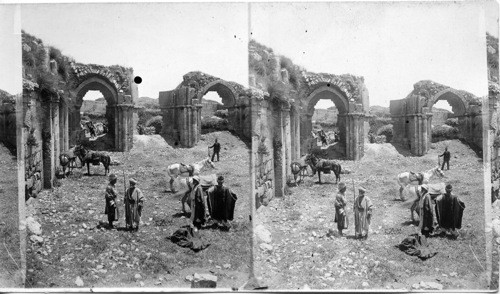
[[219, 104], [97, 111], [335, 120]]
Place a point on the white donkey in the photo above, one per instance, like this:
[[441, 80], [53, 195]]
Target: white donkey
[[179, 169], [410, 178]]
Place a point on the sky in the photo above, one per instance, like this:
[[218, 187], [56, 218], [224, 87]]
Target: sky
[[10, 53], [160, 41], [392, 45]]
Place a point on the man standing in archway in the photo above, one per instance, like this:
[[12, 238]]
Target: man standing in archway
[[446, 159], [216, 147]]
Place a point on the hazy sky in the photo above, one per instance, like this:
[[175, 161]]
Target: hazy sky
[[10, 52], [161, 41], [392, 45]]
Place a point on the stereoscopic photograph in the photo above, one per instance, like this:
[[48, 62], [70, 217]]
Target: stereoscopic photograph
[[137, 145], [250, 146], [368, 126]]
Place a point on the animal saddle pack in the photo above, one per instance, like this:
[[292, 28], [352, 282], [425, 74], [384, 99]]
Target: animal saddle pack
[[416, 177], [95, 158], [416, 245]]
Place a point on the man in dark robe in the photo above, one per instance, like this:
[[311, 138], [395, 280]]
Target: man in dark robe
[[111, 208], [221, 202], [449, 211], [428, 223], [198, 203]]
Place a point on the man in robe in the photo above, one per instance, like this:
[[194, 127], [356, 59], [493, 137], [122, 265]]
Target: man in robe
[[449, 212], [111, 208], [363, 208], [198, 203], [340, 206], [221, 202], [428, 223], [134, 201]]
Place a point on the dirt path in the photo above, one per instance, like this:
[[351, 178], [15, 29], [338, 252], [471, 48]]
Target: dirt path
[[302, 254], [10, 256], [75, 246]]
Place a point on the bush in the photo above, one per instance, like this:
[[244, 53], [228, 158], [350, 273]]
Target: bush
[[445, 132], [222, 113], [387, 131], [452, 122], [214, 124], [156, 122], [145, 115]]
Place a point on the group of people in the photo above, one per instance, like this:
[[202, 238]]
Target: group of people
[[440, 213], [363, 210], [133, 200]]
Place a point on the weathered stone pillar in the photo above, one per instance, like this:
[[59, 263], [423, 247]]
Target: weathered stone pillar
[[55, 133], [287, 142], [48, 154], [305, 131], [279, 156], [355, 141], [124, 127]]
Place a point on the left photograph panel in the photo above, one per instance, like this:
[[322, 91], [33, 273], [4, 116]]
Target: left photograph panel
[[137, 145], [12, 242]]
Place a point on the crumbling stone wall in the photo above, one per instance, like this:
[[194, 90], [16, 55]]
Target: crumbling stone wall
[[182, 108], [413, 115], [53, 88]]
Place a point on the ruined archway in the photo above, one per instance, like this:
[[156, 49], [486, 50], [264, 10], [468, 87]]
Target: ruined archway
[[413, 115], [349, 95], [181, 108], [114, 84]]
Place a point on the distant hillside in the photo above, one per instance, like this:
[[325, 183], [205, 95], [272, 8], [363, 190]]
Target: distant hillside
[[147, 102], [325, 115], [380, 111], [94, 106]]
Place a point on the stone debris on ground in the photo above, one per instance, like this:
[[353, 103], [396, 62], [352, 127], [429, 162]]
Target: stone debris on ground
[[204, 281]]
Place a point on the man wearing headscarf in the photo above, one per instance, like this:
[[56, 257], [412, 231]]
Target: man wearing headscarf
[[111, 208], [363, 208], [134, 201], [449, 211], [427, 224], [340, 206], [221, 202], [198, 203]]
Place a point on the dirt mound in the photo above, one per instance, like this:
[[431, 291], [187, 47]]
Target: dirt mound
[[380, 151], [143, 142]]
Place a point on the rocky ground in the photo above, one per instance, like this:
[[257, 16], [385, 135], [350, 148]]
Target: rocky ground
[[294, 251], [10, 256], [74, 250]]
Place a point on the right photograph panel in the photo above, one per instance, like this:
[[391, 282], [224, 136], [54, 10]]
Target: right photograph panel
[[368, 123]]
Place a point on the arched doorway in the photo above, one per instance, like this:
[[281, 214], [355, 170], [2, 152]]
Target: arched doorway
[[221, 92], [108, 91], [341, 104]]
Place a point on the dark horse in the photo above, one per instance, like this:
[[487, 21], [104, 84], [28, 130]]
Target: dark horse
[[96, 158], [323, 165]]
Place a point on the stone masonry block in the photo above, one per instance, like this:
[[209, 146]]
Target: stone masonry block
[[204, 281]]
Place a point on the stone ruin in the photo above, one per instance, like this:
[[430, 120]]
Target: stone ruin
[[412, 116], [8, 120], [53, 89], [181, 108], [282, 110]]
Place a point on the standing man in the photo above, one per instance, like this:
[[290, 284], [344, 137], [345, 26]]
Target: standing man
[[427, 224], [221, 202], [216, 147], [198, 204], [449, 212], [362, 214], [134, 201], [340, 206], [446, 159], [111, 208]]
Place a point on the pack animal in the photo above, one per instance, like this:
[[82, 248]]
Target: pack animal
[[68, 160], [323, 165], [187, 184], [179, 169], [96, 158], [410, 178], [414, 193]]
